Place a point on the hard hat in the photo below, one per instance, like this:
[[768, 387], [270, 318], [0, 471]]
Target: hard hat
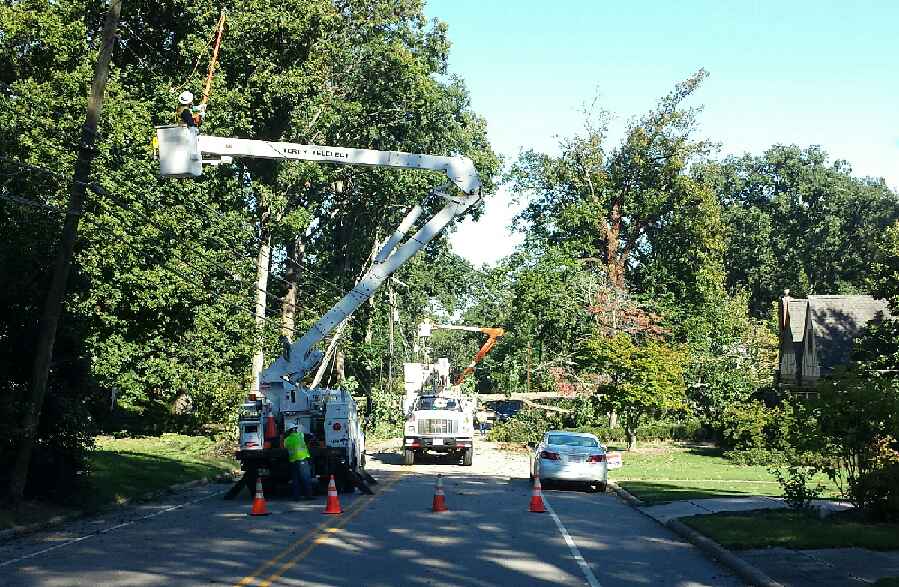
[[185, 98]]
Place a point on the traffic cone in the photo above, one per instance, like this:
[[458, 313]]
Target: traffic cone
[[270, 433], [259, 508], [537, 498], [333, 505], [439, 504]]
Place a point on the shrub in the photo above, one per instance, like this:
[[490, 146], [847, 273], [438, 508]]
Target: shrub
[[529, 426], [753, 425], [754, 456], [688, 430], [795, 479], [877, 489]]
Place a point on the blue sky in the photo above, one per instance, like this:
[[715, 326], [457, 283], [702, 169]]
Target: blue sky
[[822, 73]]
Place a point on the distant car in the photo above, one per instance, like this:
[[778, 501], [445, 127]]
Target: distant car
[[571, 456]]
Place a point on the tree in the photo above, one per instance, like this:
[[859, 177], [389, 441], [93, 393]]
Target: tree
[[885, 270], [159, 317], [789, 215], [637, 379], [601, 205]]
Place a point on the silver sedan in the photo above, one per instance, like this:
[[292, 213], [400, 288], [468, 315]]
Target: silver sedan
[[570, 456]]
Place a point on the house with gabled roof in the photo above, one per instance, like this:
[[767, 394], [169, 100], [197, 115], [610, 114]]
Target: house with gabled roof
[[817, 334]]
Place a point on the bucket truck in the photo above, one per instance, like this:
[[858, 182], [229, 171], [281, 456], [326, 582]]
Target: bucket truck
[[439, 417], [329, 415]]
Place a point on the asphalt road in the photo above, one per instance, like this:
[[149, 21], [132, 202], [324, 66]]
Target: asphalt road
[[392, 538]]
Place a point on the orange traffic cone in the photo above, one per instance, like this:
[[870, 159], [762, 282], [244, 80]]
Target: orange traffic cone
[[270, 433], [333, 505], [537, 498], [259, 508], [439, 498]]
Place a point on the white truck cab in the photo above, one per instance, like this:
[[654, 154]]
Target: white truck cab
[[439, 418]]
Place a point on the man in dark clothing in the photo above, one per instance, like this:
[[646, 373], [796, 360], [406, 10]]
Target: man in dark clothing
[[300, 471]]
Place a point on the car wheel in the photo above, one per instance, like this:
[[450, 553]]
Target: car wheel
[[600, 487], [467, 456], [409, 457]]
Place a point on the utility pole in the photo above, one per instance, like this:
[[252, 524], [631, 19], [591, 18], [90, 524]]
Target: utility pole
[[53, 304]]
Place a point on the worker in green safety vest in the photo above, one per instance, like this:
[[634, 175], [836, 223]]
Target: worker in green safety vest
[[300, 470]]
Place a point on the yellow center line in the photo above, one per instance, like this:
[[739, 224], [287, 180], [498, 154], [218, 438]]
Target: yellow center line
[[318, 530], [326, 533]]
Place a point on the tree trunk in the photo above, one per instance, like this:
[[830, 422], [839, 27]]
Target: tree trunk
[[263, 261], [613, 419], [631, 438], [614, 262], [40, 372], [339, 368], [391, 317], [295, 250]]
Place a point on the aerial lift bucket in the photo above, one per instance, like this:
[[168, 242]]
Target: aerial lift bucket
[[178, 150]]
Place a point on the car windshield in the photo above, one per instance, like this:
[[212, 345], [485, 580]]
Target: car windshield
[[437, 403], [571, 440]]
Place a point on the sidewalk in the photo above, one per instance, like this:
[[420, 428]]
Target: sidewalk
[[697, 507], [791, 568]]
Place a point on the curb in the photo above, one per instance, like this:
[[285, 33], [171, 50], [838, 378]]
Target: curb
[[19, 531], [747, 572], [625, 494]]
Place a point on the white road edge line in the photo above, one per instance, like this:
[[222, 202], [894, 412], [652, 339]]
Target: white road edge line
[[585, 568], [107, 530]]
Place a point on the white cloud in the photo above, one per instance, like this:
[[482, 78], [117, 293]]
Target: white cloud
[[489, 239]]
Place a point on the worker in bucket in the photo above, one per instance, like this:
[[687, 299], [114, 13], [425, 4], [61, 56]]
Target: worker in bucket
[[188, 114], [300, 470]]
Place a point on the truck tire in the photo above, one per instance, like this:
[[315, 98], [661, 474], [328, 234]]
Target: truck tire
[[467, 455], [409, 457]]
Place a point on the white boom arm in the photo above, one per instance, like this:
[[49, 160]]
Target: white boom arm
[[302, 355], [180, 151]]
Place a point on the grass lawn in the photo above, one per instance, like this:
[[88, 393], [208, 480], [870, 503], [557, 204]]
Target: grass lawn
[[887, 582], [662, 472], [794, 529], [127, 468]]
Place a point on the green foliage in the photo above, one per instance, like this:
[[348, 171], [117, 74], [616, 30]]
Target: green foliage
[[689, 429], [599, 203], [850, 433], [754, 425], [731, 356], [877, 489], [788, 215], [160, 306], [885, 272], [797, 483], [638, 379], [528, 425]]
